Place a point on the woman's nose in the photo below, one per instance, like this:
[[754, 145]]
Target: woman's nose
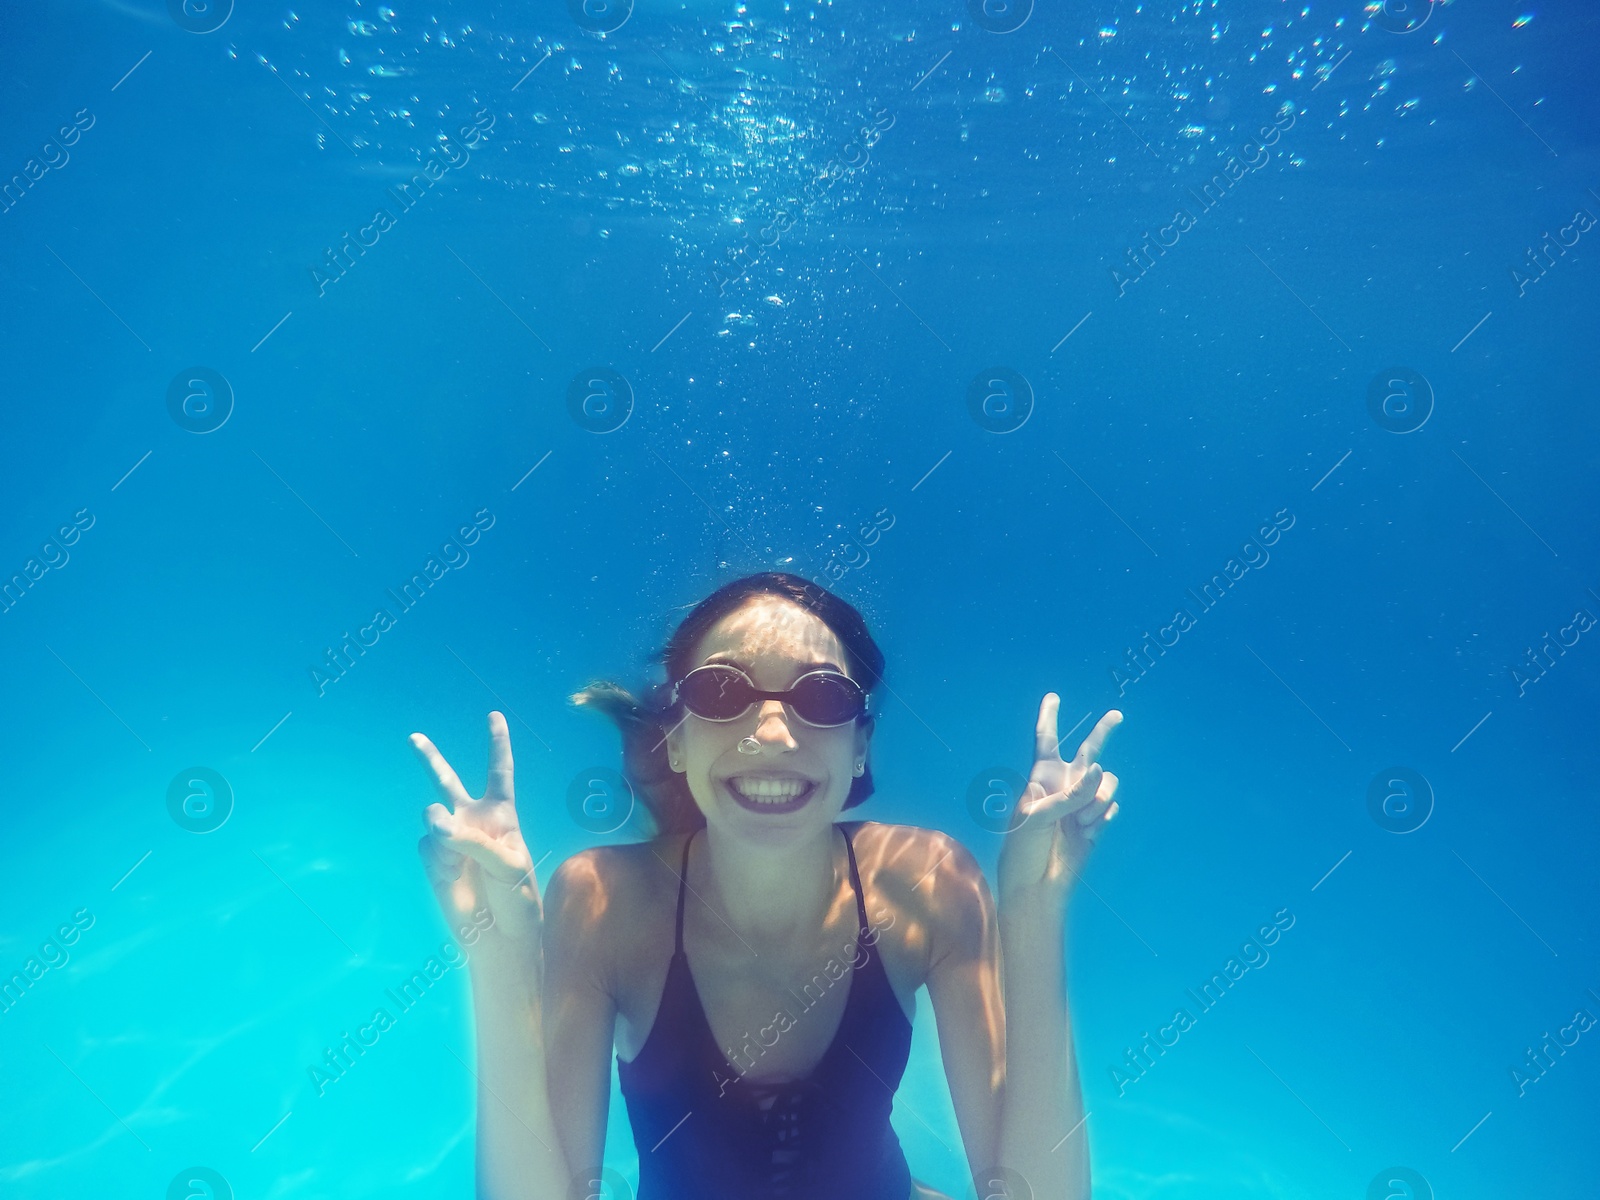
[[778, 732]]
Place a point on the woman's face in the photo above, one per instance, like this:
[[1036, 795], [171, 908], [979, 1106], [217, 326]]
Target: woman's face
[[800, 778]]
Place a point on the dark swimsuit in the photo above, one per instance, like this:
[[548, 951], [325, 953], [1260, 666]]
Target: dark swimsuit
[[705, 1133]]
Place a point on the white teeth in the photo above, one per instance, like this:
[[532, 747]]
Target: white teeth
[[768, 791]]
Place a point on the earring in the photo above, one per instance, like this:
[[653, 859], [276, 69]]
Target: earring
[[861, 768]]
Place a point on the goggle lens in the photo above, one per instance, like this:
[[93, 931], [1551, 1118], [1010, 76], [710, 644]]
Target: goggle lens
[[723, 693]]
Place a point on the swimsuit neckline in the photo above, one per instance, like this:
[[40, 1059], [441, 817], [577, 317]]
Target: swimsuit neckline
[[739, 1080], [851, 1004], [774, 1139]]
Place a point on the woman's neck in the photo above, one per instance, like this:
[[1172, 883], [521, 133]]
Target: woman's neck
[[767, 895]]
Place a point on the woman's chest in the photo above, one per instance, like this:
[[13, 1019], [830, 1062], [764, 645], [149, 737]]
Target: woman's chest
[[773, 1010]]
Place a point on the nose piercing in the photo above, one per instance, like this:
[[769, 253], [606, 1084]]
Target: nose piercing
[[749, 746]]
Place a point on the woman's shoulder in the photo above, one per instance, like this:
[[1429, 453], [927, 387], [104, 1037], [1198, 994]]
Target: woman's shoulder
[[926, 869], [912, 851], [620, 872], [932, 879], [611, 897]]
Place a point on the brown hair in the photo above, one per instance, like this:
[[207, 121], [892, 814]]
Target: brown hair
[[644, 723]]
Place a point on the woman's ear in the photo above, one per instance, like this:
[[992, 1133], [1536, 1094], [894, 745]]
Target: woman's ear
[[675, 751], [864, 730]]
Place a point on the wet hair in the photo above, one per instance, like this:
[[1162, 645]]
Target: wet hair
[[643, 723]]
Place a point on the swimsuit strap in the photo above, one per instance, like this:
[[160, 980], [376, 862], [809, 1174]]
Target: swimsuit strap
[[683, 875], [855, 880]]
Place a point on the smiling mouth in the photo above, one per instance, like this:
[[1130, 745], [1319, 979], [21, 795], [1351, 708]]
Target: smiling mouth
[[768, 794]]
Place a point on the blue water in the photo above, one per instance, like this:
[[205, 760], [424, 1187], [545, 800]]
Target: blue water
[[1195, 326]]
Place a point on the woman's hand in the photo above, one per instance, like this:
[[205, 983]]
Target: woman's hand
[[1061, 813], [475, 857]]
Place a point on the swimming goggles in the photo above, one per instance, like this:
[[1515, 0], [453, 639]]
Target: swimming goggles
[[719, 692]]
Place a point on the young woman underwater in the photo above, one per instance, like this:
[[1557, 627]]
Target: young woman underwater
[[767, 1070]]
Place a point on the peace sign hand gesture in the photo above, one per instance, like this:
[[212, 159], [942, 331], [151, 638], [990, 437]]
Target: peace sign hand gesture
[[475, 857], [1060, 814]]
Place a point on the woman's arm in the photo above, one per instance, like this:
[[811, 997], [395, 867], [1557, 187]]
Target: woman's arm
[[476, 860], [1043, 1136], [963, 979], [519, 1152], [580, 1010]]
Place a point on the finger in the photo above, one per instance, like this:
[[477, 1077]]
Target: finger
[[1046, 745], [434, 818], [1089, 751], [492, 856], [499, 786], [1036, 805], [447, 874], [1090, 813], [444, 775], [1094, 831], [512, 840], [442, 864], [439, 820]]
